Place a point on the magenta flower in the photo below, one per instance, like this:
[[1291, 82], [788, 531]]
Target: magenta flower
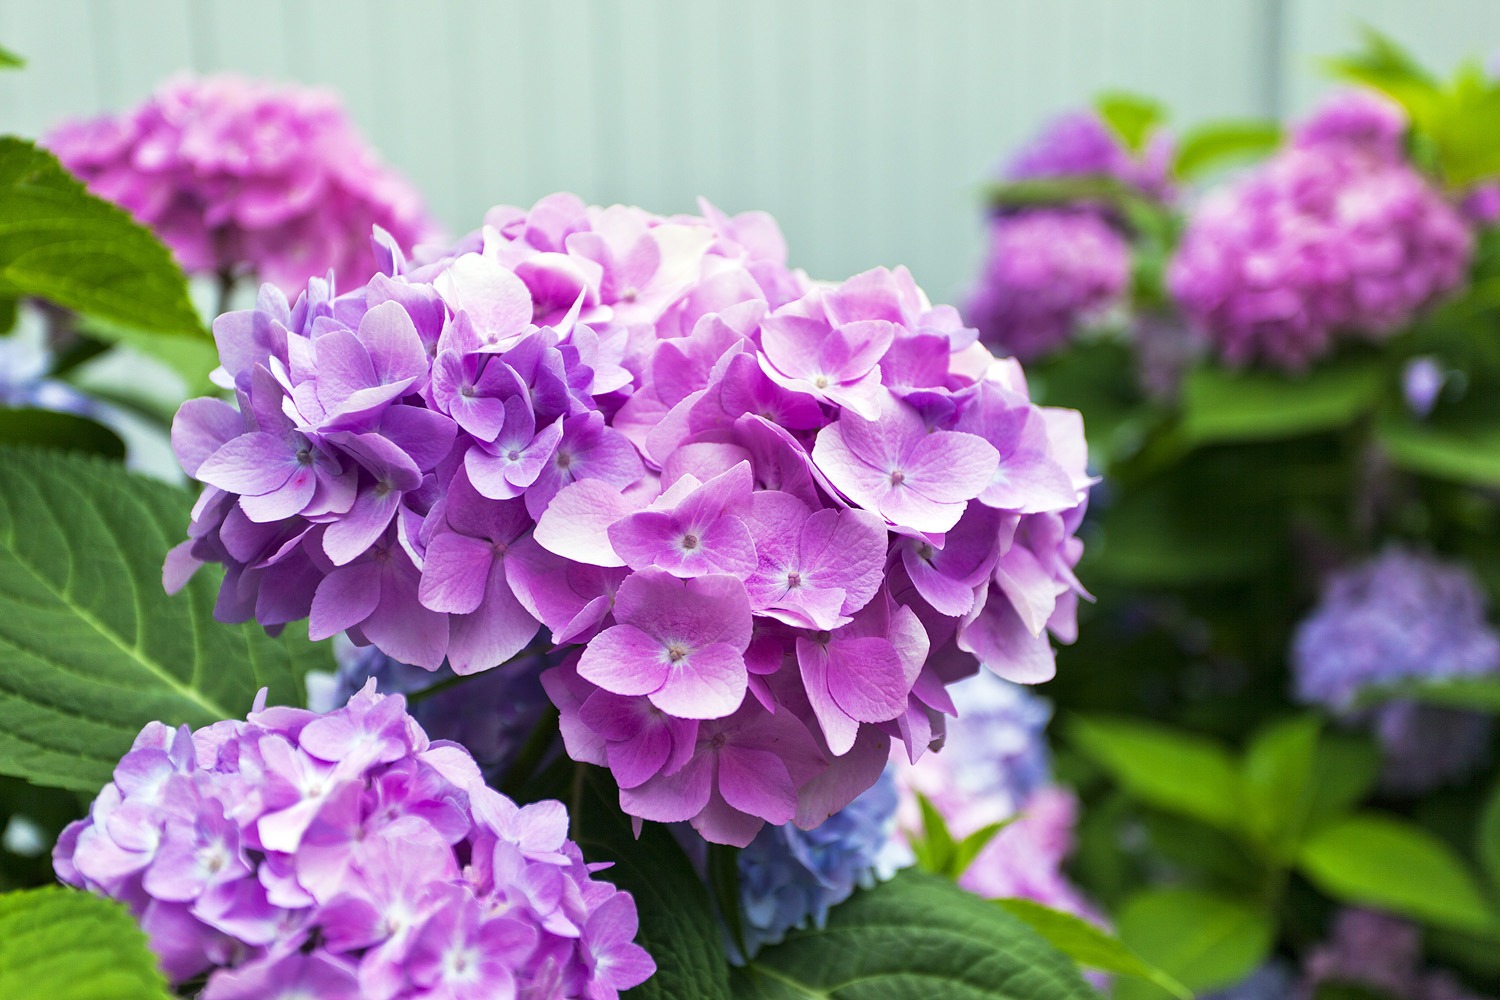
[[346, 855], [240, 175], [779, 515], [680, 642], [915, 477]]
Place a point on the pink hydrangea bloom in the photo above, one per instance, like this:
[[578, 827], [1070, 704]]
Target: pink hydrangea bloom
[[1335, 236], [780, 515], [238, 175], [346, 855]]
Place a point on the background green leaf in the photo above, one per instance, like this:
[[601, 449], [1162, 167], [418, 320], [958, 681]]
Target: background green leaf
[[1089, 946], [1466, 452], [917, 935], [1381, 861], [91, 648], [1165, 768], [1205, 940], [1220, 144], [62, 244], [9, 60], [61, 431], [1487, 836], [1223, 405], [60, 944], [1278, 782], [1132, 116]]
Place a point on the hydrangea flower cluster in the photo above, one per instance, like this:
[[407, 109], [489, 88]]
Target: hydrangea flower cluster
[[236, 174], [791, 878], [1082, 144], [347, 856], [1363, 121], [1335, 236], [996, 767], [782, 516], [1402, 615], [1049, 271], [1046, 273], [491, 715], [1379, 953]]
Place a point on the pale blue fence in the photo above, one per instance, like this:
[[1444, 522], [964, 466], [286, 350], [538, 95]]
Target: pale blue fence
[[864, 125]]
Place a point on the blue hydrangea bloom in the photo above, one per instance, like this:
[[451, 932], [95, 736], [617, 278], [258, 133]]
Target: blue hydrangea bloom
[[792, 878], [1403, 615], [999, 744]]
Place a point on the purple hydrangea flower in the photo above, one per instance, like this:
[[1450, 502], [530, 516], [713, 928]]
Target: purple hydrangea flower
[[1318, 242], [238, 175], [1400, 616], [1422, 382], [791, 878], [1047, 273], [1081, 144], [347, 855], [648, 436], [1360, 120], [1380, 953]]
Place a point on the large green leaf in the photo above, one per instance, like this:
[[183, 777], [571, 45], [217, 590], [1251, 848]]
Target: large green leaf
[[1381, 861], [61, 431], [678, 925], [1166, 768], [1205, 940], [9, 60], [1089, 946], [1278, 783], [1463, 452], [917, 935], [62, 244], [58, 944], [91, 648], [1487, 837], [1222, 405], [1219, 144]]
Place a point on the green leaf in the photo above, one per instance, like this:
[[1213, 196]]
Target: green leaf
[[1385, 66], [934, 848], [1467, 452], [1222, 405], [678, 925], [1171, 770], [724, 885], [1220, 144], [1487, 836], [60, 944], [61, 431], [1344, 773], [917, 935], [1480, 694], [9, 60], [91, 648], [966, 850], [1089, 946], [1132, 116], [1204, 940], [1381, 861], [62, 244], [1277, 778]]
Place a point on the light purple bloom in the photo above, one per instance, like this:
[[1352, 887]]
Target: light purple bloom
[[1422, 383], [1082, 144], [240, 175], [764, 504], [1361, 120], [1401, 616], [1047, 274], [1378, 953], [347, 855]]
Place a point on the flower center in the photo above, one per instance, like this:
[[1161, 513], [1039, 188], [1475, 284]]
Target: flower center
[[676, 652], [629, 294], [821, 381], [794, 579], [513, 455], [690, 542], [564, 460], [897, 477], [467, 390]]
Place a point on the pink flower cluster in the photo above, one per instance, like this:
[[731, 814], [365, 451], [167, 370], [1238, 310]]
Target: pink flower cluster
[[781, 515], [347, 856], [239, 175], [1336, 235]]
